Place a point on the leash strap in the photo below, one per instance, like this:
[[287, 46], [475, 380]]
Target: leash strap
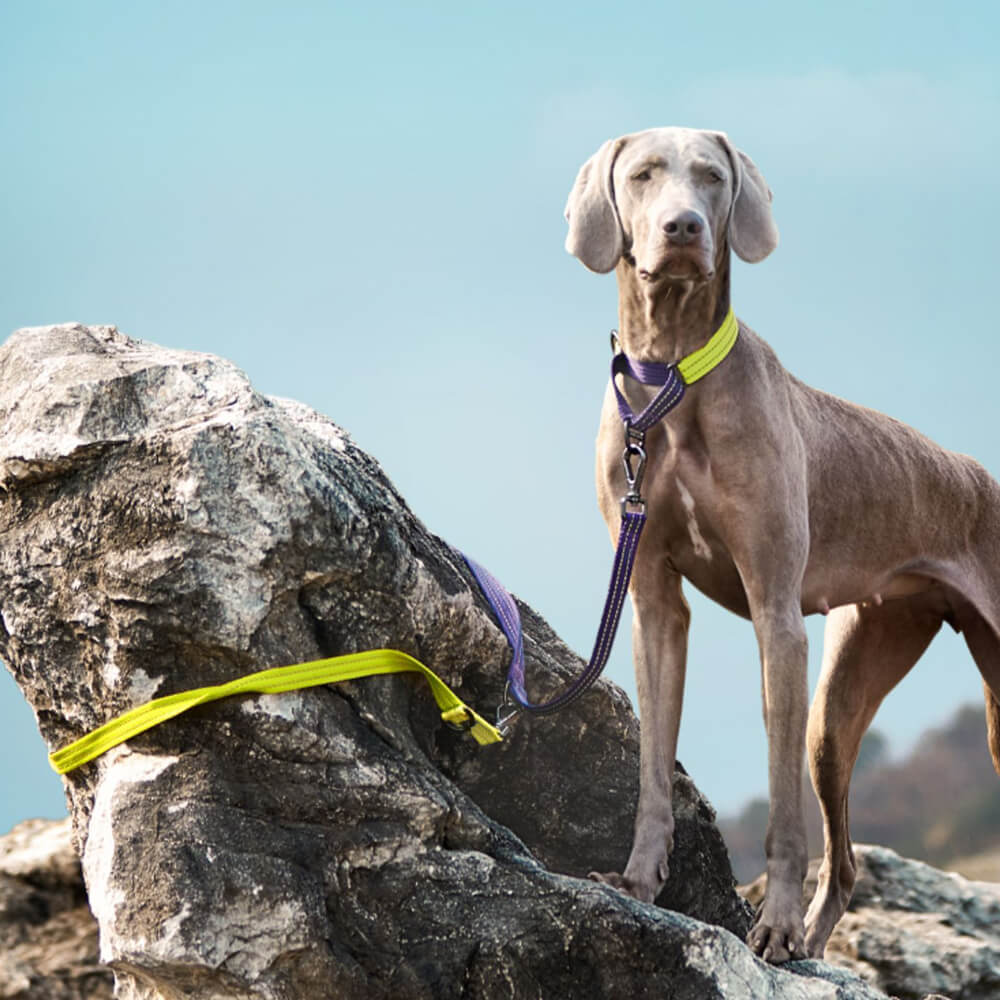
[[273, 681], [510, 620], [672, 380], [648, 373]]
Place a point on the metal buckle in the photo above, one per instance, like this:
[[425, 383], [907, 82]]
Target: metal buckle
[[616, 344], [633, 502]]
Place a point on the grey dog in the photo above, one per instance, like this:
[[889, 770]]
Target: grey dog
[[777, 501]]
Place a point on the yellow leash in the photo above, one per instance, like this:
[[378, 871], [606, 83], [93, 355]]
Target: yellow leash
[[274, 681]]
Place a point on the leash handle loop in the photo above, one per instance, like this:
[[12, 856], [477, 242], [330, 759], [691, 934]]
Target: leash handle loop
[[276, 680]]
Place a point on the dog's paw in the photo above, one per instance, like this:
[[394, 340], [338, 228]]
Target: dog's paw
[[614, 879], [623, 885], [776, 939]]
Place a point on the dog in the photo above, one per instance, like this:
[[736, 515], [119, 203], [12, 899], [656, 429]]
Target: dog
[[777, 501]]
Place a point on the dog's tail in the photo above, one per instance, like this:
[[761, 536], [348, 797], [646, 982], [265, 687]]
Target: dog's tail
[[993, 725]]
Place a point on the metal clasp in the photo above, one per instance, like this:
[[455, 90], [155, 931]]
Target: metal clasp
[[507, 712], [635, 452]]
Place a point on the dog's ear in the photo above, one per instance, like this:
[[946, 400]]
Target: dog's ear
[[752, 230], [595, 230]]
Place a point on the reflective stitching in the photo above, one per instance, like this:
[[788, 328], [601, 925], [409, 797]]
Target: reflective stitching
[[615, 596], [698, 364]]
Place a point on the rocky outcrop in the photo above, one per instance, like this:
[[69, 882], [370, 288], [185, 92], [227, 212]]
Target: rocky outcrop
[[909, 928], [162, 527], [48, 937], [912, 930]]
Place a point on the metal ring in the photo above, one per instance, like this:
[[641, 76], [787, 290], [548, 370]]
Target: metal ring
[[462, 727]]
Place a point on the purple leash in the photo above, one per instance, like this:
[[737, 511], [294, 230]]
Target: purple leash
[[633, 518]]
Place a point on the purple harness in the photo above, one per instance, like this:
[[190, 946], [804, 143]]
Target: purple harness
[[633, 509]]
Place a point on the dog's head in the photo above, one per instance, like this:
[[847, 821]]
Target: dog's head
[[675, 199]]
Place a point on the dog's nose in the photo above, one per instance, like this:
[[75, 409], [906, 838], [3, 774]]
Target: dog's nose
[[683, 228]]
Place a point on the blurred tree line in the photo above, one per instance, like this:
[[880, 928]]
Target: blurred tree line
[[940, 804]]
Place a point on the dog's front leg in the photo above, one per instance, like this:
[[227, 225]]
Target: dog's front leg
[[659, 643], [778, 933]]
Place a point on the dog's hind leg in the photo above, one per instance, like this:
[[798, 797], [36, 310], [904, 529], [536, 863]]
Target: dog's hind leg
[[984, 645], [867, 651]]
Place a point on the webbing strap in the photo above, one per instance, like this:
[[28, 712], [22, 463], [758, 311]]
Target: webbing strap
[[510, 620], [672, 378], [273, 681]]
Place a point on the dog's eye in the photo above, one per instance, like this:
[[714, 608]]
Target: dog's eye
[[715, 177], [642, 175]]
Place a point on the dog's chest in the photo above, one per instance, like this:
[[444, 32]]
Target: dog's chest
[[684, 519], [689, 535], [686, 523]]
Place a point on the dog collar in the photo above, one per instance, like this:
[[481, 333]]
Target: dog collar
[[674, 377]]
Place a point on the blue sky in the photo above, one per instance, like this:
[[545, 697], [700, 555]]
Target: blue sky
[[362, 206]]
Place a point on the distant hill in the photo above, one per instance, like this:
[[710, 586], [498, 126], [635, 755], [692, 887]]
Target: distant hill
[[940, 804]]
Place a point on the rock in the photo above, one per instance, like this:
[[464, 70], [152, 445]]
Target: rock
[[912, 930], [163, 527], [48, 937]]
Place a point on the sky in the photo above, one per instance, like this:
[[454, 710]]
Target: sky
[[361, 205]]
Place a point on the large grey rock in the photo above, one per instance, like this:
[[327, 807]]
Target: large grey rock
[[48, 938], [162, 527], [912, 930]]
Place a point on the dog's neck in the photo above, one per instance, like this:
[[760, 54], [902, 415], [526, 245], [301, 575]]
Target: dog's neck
[[677, 319]]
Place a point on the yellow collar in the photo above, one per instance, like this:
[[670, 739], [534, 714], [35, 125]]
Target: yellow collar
[[699, 363]]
